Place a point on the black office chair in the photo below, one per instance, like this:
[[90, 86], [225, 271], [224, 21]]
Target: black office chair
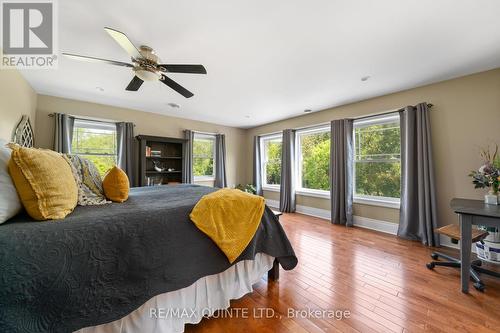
[[453, 231]]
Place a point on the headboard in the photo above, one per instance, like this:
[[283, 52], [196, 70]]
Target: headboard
[[23, 134]]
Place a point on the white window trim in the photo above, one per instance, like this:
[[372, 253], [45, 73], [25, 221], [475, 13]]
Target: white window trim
[[371, 199], [206, 178], [96, 125], [377, 201], [265, 186], [271, 188], [298, 165], [313, 193], [376, 120]]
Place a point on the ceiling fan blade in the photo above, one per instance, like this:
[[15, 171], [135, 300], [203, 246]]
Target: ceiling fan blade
[[135, 84], [190, 69], [177, 87], [124, 42], [97, 60]]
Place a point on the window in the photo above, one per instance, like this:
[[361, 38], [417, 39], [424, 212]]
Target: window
[[95, 141], [313, 161], [376, 167], [377, 159], [204, 157], [270, 147]]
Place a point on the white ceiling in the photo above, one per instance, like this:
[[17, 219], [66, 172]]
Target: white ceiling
[[270, 60]]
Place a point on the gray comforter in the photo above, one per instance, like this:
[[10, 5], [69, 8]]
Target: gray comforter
[[102, 262]]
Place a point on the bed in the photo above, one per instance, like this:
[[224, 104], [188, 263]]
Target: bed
[[102, 263]]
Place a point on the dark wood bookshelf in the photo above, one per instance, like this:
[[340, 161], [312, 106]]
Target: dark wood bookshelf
[[171, 155]]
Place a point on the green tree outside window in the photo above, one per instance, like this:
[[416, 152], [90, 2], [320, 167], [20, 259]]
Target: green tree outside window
[[203, 157], [378, 160], [96, 145], [272, 160], [315, 160]]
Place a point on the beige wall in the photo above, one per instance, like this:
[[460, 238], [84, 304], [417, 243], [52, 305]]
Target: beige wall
[[17, 98], [465, 116], [146, 123]]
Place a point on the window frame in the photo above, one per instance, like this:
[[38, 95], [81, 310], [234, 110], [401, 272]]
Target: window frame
[[96, 125], [298, 161], [205, 136], [373, 200], [263, 161]]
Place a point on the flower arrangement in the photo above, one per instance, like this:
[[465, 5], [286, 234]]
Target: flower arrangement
[[488, 175]]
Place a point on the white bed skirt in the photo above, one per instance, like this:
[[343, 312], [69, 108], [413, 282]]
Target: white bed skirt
[[169, 312]]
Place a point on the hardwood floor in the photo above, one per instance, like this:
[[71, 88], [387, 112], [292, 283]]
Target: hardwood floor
[[380, 279]]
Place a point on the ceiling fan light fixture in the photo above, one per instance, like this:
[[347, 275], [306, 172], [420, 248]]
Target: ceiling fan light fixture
[[146, 75], [145, 64]]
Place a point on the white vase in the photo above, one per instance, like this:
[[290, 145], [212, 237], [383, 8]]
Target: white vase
[[491, 198]]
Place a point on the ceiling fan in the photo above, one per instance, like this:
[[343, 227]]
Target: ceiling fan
[[145, 64]]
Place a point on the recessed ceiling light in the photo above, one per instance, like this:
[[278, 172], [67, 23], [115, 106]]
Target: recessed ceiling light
[[365, 78], [100, 88], [308, 110], [174, 105]]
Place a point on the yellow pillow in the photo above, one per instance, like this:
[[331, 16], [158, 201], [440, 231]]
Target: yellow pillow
[[44, 182], [116, 185]]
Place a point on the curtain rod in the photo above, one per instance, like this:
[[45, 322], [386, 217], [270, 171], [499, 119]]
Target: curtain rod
[[429, 105], [89, 119]]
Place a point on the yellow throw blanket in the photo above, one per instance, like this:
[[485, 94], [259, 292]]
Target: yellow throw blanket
[[230, 218]]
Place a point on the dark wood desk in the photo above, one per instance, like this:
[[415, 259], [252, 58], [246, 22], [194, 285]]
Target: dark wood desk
[[472, 212]]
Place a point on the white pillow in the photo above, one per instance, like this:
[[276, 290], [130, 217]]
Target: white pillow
[[10, 204]]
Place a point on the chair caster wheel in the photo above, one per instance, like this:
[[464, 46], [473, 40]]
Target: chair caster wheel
[[430, 265], [434, 256], [479, 287]]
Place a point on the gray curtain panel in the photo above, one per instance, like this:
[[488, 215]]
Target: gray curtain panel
[[257, 177], [63, 132], [341, 169], [287, 187], [417, 220], [125, 148], [187, 171], [220, 161]]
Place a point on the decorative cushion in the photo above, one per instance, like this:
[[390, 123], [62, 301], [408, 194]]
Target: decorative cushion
[[10, 204], [44, 182], [116, 185], [88, 180]]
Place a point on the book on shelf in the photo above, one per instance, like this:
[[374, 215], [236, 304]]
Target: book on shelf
[[155, 153], [148, 151]]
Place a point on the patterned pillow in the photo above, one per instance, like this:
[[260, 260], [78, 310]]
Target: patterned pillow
[[89, 181]]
